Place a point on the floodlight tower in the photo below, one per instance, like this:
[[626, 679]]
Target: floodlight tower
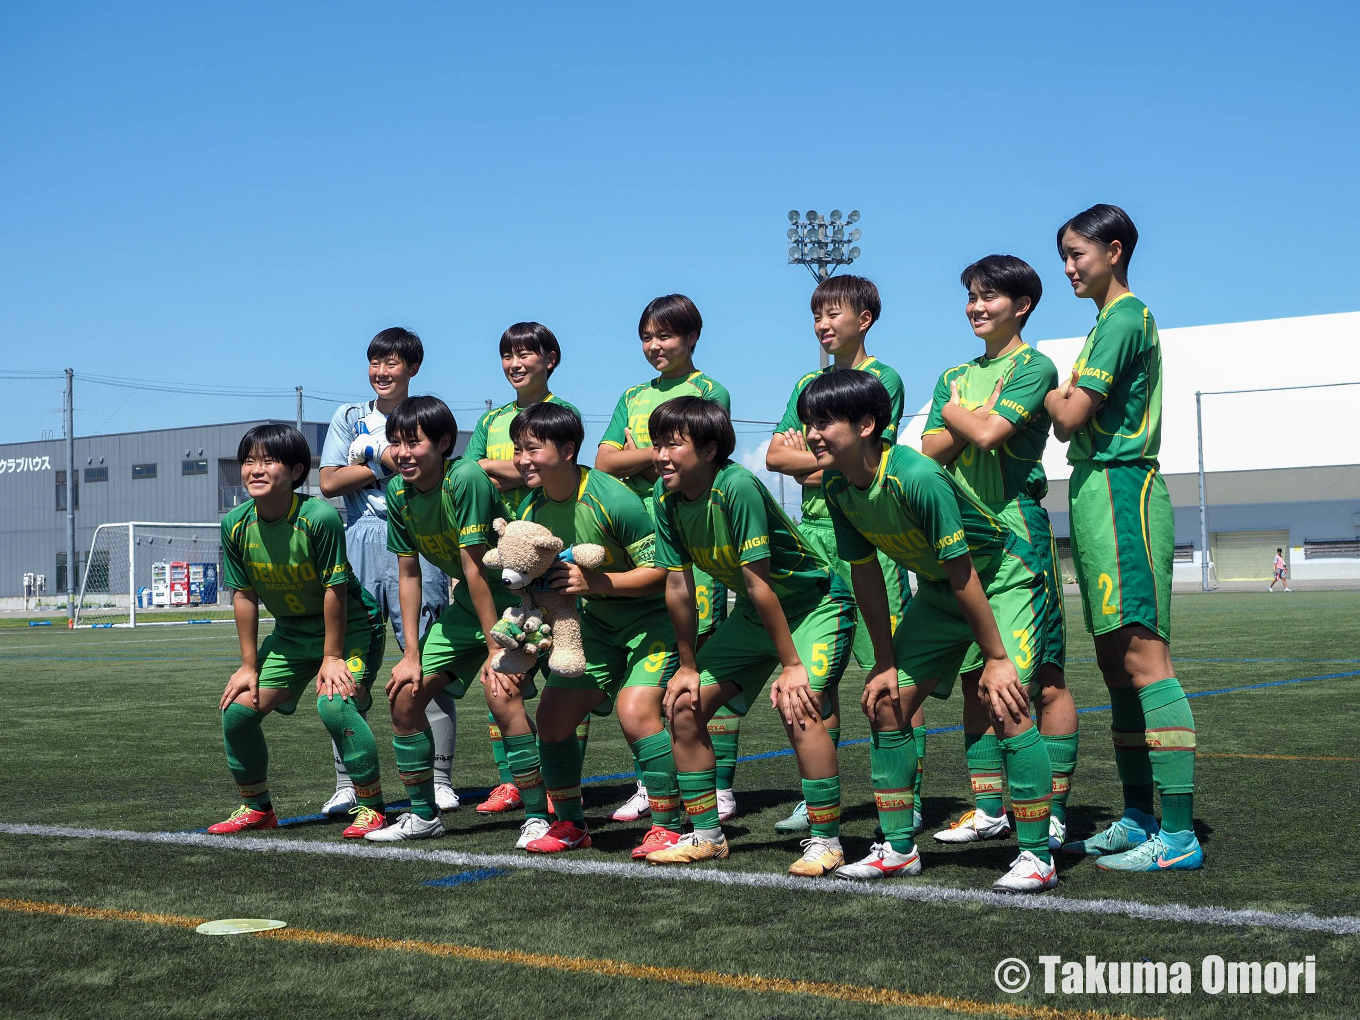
[[819, 243]]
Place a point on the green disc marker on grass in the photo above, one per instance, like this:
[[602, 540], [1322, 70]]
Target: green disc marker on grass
[[238, 926]]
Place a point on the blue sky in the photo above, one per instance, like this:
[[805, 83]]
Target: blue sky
[[243, 198]]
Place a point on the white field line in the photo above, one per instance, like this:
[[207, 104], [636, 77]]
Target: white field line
[[900, 890]]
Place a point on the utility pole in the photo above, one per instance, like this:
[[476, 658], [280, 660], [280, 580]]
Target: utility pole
[[71, 585]]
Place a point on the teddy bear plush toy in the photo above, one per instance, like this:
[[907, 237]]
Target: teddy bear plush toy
[[544, 618]]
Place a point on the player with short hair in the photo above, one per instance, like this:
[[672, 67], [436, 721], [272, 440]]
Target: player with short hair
[[978, 612], [988, 427], [669, 329], [626, 633], [844, 308], [356, 464], [1280, 568], [715, 514], [1123, 534], [444, 509], [287, 550], [530, 354]]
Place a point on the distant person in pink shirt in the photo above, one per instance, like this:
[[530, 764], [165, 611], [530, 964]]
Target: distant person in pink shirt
[[1279, 572]]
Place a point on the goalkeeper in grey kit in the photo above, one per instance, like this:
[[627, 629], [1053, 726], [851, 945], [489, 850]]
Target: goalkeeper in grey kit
[[355, 465]]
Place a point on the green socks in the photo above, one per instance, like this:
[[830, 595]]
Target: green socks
[[1031, 782], [723, 731], [562, 774], [522, 754], [498, 750], [656, 769], [699, 791], [892, 761], [247, 755], [918, 734], [1127, 729], [834, 732], [1170, 743], [1062, 754], [582, 738], [983, 752], [351, 734], [823, 797], [415, 763]]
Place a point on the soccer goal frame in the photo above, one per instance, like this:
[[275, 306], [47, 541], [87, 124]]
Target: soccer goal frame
[[118, 596]]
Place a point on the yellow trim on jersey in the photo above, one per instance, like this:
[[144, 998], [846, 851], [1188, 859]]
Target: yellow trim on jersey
[[867, 559], [1106, 310], [581, 489], [1142, 513], [610, 442], [933, 432]]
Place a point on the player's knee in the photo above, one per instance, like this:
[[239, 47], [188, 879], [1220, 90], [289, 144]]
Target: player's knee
[[333, 712]]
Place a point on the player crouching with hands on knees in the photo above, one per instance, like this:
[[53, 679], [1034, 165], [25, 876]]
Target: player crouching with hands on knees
[[443, 509], [714, 515], [288, 551], [978, 611]]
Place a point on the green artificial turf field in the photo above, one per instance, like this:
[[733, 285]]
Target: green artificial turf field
[[116, 733]]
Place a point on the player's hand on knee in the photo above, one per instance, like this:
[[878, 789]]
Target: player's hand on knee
[[406, 673], [335, 678], [244, 680], [880, 687], [682, 692], [792, 697], [1000, 689], [498, 684]]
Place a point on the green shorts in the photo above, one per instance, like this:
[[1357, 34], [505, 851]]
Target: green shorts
[[936, 643], [741, 652], [1123, 542], [1031, 522], [291, 659], [629, 653], [821, 535], [455, 646]]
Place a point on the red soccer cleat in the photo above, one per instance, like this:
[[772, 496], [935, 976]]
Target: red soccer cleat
[[244, 818], [657, 838], [562, 835], [366, 820], [503, 798]]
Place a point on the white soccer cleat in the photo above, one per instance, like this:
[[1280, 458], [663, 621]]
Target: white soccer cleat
[[975, 825], [409, 826], [1057, 832], [883, 862], [1027, 874], [532, 829], [727, 805], [446, 798], [342, 802], [635, 807]]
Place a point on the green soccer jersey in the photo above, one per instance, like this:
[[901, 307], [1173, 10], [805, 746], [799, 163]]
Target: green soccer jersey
[[736, 524], [607, 513], [289, 563], [814, 503], [997, 478], [1122, 362], [915, 513], [491, 441], [454, 515], [636, 405]]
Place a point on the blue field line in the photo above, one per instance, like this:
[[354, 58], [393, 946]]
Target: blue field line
[[467, 877], [1312, 662], [785, 751]]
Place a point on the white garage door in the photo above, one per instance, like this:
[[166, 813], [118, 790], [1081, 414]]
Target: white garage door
[[1246, 555]]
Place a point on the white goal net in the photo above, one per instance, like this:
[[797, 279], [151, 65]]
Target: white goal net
[[142, 574]]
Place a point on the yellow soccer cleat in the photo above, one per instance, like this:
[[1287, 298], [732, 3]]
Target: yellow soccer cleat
[[822, 855], [689, 849]]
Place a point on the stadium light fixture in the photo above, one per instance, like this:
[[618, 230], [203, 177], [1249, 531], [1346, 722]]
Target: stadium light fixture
[[821, 246]]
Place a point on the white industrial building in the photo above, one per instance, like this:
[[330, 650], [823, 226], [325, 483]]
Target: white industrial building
[[1282, 469]]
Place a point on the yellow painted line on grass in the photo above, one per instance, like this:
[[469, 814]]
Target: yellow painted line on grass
[[587, 965], [1274, 757]]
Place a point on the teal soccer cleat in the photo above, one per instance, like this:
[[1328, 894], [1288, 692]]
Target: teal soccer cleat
[[1132, 830], [1165, 851]]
